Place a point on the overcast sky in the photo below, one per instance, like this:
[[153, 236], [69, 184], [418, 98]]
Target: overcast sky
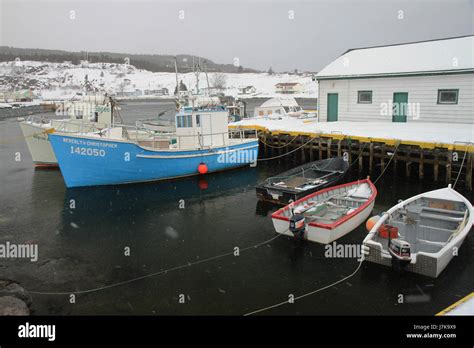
[[259, 33]]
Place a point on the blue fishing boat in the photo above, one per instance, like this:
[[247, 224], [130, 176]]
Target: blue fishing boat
[[202, 143]]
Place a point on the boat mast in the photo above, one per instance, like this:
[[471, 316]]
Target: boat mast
[[177, 80], [207, 78], [197, 71]]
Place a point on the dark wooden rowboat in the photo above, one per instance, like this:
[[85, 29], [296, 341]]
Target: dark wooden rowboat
[[302, 181]]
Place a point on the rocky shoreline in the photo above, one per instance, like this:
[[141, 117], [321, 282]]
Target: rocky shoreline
[[14, 299]]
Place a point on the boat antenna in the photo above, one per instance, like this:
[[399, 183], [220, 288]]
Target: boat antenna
[[197, 71]]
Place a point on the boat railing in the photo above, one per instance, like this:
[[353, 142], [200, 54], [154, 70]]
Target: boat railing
[[79, 127], [36, 119], [149, 137]]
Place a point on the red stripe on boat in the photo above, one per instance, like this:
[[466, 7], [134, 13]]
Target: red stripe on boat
[[278, 214]]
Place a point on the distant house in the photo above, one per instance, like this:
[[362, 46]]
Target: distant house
[[288, 87], [130, 93], [428, 81], [157, 92], [23, 95], [247, 90]]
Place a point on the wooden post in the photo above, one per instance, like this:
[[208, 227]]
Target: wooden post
[[421, 167], [469, 171], [280, 144], [265, 147], [361, 157], [339, 150], [311, 149], [303, 154], [436, 165], [349, 150], [449, 166], [382, 158], [320, 145], [371, 157], [329, 147], [408, 169]]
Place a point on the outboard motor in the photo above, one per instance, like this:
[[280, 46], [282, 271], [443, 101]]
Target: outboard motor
[[298, 225], [400, 252]]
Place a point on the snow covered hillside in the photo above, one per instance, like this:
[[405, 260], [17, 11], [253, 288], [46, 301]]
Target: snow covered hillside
[[62, 80]]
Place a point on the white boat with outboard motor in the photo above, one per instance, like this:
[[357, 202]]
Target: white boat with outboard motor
[[328, 214], [421, 234]]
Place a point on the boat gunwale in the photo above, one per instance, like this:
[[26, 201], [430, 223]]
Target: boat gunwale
[[370, 200]]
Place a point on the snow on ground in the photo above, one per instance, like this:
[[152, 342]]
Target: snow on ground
[[64, 80], [420, 132]]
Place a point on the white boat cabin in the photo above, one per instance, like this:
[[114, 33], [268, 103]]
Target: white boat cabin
[[90, 108], [202, 127]]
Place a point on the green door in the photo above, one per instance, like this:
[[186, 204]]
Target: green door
[[332, 107], [400, 106]]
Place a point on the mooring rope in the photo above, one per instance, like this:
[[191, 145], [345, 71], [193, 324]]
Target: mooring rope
[[189, 264], [289, 152], [391, 158], [460, 169], [279, 147], [306, 294]]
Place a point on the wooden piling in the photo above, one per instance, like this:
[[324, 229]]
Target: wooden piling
[[436, 165], [469, 171], [421, 165], [410, 155], [449, 167]]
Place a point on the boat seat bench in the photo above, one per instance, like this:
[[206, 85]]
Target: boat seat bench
[[441, 217]]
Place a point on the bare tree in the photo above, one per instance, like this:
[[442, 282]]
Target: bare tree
[[219, 81]]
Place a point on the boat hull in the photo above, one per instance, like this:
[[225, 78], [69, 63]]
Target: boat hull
[[323, 233], [428, 264], [38, 143], [282, 196], [326, 235], [87, 161]]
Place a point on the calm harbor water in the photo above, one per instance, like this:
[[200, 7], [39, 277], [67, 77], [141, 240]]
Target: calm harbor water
[[82, 247]]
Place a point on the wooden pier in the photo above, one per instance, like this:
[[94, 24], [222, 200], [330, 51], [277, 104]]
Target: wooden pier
[[432, 161]]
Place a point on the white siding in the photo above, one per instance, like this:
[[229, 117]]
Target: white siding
[[422, 91]]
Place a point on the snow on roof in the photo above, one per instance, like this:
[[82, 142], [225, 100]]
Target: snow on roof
[[276, 102], [411, 58]]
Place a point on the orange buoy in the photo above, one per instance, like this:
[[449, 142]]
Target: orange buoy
[[371, 222], [202, 168]]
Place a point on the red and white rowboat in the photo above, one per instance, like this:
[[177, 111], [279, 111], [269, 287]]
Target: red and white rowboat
[[329, 214]]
